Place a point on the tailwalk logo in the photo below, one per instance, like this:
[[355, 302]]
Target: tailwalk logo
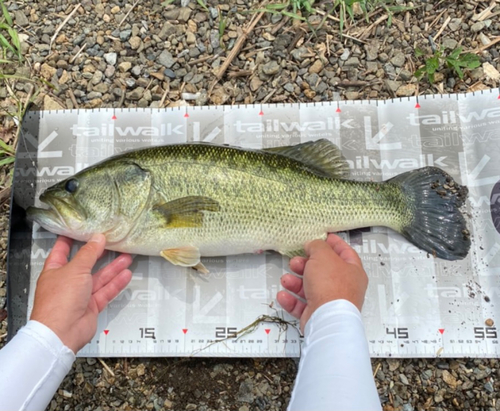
[[110, 130], [452, 117]]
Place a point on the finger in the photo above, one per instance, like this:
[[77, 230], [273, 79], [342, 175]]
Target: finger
[[106, 274], [290, 304], [88, 255], [344, 250], [321, 252], [297, 265], [293, 284], [107, 293], [59, 254]]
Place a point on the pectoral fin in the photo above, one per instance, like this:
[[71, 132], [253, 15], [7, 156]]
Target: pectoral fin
[[186, 212], [294, 253], [187, 256]]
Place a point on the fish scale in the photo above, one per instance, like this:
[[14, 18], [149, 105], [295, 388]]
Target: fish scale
[[185, 201]]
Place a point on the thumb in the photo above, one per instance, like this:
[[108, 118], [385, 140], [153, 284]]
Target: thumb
[[88, 255]]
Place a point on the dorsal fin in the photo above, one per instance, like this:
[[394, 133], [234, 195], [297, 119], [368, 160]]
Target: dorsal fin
[[322, 155]]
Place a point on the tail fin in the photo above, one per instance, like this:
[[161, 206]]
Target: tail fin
[[436, 224]]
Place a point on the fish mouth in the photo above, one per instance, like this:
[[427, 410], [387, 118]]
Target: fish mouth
[[63, 216]]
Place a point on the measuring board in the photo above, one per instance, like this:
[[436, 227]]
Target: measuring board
[[416, 305]]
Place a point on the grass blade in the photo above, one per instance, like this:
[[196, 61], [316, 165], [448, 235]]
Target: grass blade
[[5, 13]]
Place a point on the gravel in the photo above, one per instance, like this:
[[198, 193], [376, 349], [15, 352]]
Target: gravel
[[112, 55]]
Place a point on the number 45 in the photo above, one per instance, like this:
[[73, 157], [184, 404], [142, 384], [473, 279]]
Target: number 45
[[400, 333]]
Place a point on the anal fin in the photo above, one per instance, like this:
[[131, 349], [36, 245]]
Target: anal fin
[[188, 256]]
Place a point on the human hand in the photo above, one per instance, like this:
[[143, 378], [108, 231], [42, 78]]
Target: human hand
[[68, 297], [332, 271]]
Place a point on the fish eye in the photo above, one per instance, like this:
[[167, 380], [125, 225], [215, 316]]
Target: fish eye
[[71, 185]]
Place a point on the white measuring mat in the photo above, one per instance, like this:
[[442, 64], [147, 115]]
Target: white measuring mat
[[416, 305]]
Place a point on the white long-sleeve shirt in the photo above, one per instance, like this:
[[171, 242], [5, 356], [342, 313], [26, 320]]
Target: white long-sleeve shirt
[[334, 372]]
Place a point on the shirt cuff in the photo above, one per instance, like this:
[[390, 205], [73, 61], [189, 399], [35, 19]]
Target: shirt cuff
[[51, 342]]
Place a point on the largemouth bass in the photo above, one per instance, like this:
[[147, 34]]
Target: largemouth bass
[[185, 201]]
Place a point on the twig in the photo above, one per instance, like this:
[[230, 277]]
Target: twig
[[280, 25], [266, 99], [376, 369], [106, 367], [446, 22], [63, 24], [77, 54], [202, 59], [482, 48], [73, 99], [328, 16], [162, 101], [128, 12], [371, 26], [239, 73], [25, 106], [122, 97], [354, 38], [435, 20], [236, 49]]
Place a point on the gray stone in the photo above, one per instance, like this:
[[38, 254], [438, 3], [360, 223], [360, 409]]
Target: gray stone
[[398, 60], [289, 87], [405, 75], [345, 55], [167, 30], [392, 85], [21, 18], [450, 44], [372, 50], [489, 387], [94, 94], [214, 39], [477, 74], [136, 94], [136, 70], [245, 392], [184, 14], [110, 58], [477, 27], [403, 379], [214, 13], [97, 77], [135, 42], [455, 24], [166, 59], [383, 57], [353, 61], [271, 68], [125, 35], [169, 73]]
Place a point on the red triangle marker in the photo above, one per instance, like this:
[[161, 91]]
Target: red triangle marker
[[184, 330], [106, 332], [186, 115], [261, 113], [113, 118], [498, 97], [441, 330], [267, 330], [417, 105], [338, 110]]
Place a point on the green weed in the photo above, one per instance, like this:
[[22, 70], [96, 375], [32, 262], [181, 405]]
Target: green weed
[[457, 61], [9, 39]]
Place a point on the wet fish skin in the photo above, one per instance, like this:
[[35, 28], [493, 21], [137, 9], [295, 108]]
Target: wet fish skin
[[185, 201]]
